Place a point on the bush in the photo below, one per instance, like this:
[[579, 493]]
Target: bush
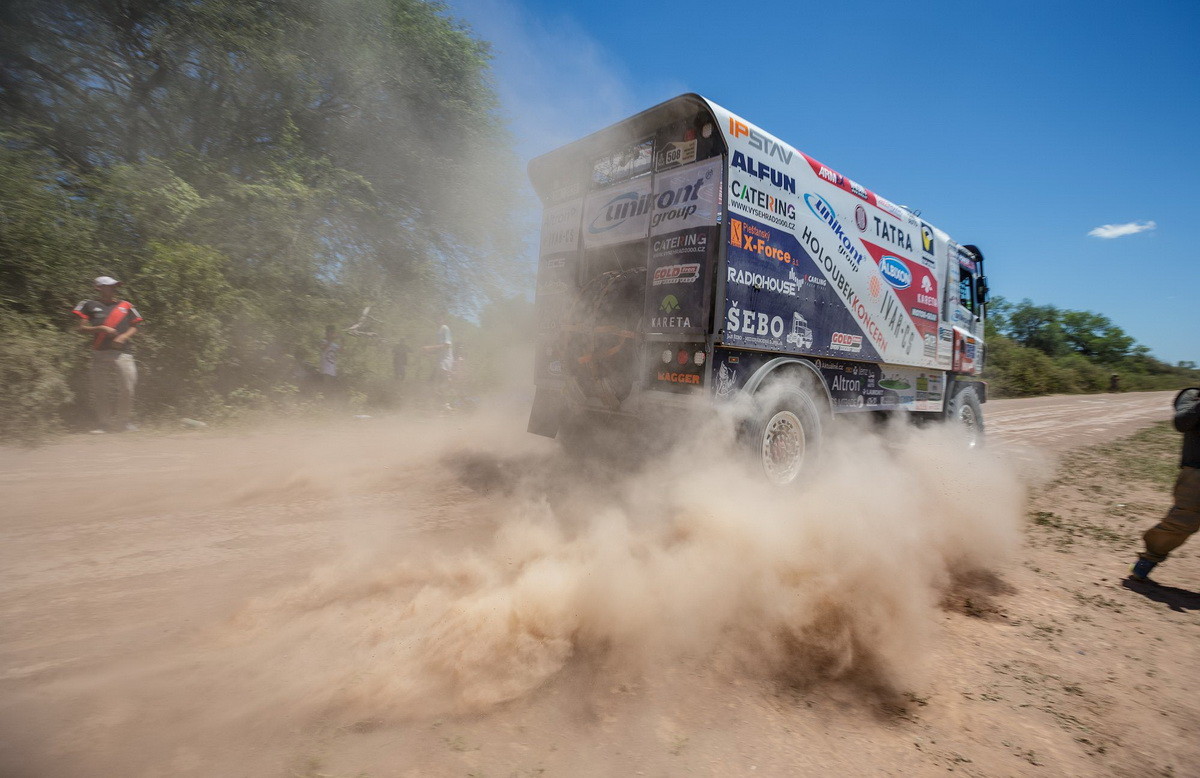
[[35, 362]]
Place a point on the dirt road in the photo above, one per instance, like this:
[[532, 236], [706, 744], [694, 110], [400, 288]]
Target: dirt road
[[447, 596]]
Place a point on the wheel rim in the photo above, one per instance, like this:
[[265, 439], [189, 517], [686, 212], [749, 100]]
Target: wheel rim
[[970, 423], [783, 445]]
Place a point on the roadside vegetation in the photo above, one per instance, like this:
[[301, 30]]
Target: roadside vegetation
[[1040, 349], [252, 170]]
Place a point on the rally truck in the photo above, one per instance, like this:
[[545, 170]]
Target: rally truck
[[689, 257]]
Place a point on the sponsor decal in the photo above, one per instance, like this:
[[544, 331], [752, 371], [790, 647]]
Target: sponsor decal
[[678, 378], [760, 142], [860, 218], [889, 206], [859, 191], [556, 286], [758, 282], [762, 204], [676, 153], [560, 227], [896, 272], [844, 341], [726, 378], [832, 176], [892, 234], [748, 322], [763, 172], [691, 243], [677, 274], [875, 287], [842, 284], [926, 238], [801, 335], [678, 203], [669, 306], [843, 383], [824, 211], [619, 209], [921, 313], [749, 237], [894, 318], [687, 196], [930, 348], [565, 192]]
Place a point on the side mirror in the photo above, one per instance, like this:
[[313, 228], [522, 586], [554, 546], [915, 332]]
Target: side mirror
[[982, 289]]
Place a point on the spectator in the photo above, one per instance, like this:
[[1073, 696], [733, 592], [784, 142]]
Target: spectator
[[443, 370], [400, 360], [111, 322], [444, 349], [1184, 517], [329, 353]]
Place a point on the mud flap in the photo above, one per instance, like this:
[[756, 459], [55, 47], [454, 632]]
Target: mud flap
[[546, 414]]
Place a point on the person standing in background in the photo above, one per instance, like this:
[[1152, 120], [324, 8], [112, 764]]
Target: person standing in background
[[445, 355], [444, 368], [1184, 517], [400, 360], [111, 323], [329, 352]]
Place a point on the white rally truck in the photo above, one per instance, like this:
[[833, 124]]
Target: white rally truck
[[686, 253]]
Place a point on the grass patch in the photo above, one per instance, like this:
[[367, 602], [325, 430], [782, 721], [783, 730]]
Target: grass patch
[[1150, 455], [1076, 529]]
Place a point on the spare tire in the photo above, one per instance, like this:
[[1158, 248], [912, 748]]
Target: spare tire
[[602, 341]]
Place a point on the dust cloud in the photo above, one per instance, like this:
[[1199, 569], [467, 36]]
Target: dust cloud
[[682, 555]]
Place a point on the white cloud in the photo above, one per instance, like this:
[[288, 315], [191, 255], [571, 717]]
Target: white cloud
[[1108, 231]]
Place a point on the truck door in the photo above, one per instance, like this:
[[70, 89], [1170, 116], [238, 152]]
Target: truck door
[[966, 312]]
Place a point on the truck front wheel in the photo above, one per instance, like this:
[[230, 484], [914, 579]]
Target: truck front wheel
[[965, 410], [786, 435]]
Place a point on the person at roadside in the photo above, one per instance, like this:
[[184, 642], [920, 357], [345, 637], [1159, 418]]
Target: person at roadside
[[400, 360], [329, 354], [111, 323], [444, 368], [1184, 517]]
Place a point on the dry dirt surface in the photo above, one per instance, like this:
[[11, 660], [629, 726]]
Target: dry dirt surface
[[449, 596]]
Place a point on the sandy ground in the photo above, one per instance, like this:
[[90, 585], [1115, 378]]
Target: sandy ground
[[450, 596]]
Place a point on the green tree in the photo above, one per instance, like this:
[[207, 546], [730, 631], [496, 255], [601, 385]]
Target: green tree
[[254, 168], [1094, 336], [1038, 327]]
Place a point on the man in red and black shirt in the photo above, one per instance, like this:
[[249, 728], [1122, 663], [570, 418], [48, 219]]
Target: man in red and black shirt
[[111, 323]]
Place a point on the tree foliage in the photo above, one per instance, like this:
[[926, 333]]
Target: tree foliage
[[1040, 349], [252, 169]]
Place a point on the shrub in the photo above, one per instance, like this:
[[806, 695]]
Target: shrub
[[35, 360]]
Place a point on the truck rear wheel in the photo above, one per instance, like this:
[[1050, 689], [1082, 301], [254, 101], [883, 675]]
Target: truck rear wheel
[[785, 438], [965, 410]]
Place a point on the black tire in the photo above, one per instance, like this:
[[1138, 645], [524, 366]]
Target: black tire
[[785, 436], [965, 410]]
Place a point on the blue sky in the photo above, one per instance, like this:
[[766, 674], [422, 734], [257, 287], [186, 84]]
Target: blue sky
[[1020, 126]]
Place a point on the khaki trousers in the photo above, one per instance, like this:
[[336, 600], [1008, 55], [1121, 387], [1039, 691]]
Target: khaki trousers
[[1181, 521], [113, 377]]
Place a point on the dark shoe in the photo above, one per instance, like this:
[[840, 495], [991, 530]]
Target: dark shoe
[[1141, 570]]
